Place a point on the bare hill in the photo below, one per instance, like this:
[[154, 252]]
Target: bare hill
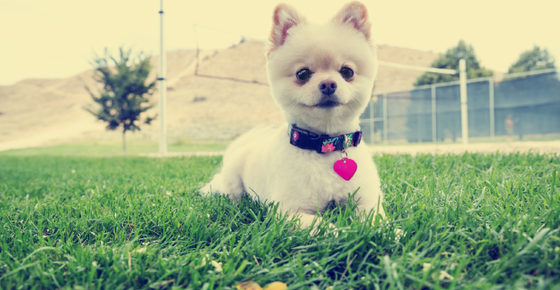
[[199, 108], [391, 78]]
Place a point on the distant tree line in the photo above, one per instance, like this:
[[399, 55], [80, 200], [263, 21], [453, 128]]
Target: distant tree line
[[535, 59]]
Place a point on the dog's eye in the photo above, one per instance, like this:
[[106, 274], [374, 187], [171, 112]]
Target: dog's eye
[[346, 73], [303, 75]]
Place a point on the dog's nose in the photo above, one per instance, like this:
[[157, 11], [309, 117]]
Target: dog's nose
[[327, 87]]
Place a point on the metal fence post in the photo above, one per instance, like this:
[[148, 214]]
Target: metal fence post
[[464, 108], [434, 136], [491, 91], [372, 121], [385, 125], [419, 128]]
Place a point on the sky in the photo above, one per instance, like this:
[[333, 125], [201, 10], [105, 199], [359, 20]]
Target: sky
[[58, 38]]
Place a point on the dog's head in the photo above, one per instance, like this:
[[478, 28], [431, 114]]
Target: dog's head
[[322, 75]]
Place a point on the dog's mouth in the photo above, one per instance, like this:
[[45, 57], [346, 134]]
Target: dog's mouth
[[328, 102], [324, 105]]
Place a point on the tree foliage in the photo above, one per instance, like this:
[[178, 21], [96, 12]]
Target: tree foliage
[[535, 59], [124, 95], [450, 60]]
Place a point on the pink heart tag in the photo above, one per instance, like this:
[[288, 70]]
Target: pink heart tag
[[345, 168]]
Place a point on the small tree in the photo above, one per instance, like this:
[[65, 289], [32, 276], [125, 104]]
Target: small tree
[[450, 60], [535, 59], [124, 94]]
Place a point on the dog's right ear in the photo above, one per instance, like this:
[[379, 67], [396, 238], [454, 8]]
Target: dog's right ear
[[284, 18]]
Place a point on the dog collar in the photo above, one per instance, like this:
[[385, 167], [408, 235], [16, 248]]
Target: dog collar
[[305, 139]]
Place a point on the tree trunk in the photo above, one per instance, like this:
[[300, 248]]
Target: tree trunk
[[123, 143]]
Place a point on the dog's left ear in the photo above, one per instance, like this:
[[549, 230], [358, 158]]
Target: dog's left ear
[[355, 14]]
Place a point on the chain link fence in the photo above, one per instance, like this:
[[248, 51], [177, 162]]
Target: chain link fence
[[518, 104]]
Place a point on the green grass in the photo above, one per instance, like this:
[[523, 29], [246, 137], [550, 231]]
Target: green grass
[[112, 149], [488, 221]]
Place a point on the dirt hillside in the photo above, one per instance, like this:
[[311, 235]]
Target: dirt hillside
[[199, 108]]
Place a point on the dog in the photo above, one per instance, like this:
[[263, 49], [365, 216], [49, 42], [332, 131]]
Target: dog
[[321, 77]]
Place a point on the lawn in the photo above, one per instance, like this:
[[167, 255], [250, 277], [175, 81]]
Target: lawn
[[471, 221]]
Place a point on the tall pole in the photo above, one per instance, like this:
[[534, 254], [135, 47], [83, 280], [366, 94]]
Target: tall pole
[[162, 89], [491, 91], [434, 135], [385, 125], [464, 110]]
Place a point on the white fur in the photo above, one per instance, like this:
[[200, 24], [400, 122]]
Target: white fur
[[263, 162]]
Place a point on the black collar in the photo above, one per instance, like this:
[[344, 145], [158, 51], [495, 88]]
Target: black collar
[[322, 143]]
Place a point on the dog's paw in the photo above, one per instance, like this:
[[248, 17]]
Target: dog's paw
[[332, 229], [206, 190]]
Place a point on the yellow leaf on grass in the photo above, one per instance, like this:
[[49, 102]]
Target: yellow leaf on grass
[[276, 286], [249, 285], [444, 275], [217, 266]]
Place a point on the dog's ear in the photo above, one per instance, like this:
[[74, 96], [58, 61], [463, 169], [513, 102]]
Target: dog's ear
[[355, 14], [284, 18]]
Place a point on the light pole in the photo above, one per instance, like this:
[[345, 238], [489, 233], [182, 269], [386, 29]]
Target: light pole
[[162, 89]]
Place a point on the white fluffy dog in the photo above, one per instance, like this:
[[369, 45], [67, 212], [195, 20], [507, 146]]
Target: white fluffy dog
[[322, 78]]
